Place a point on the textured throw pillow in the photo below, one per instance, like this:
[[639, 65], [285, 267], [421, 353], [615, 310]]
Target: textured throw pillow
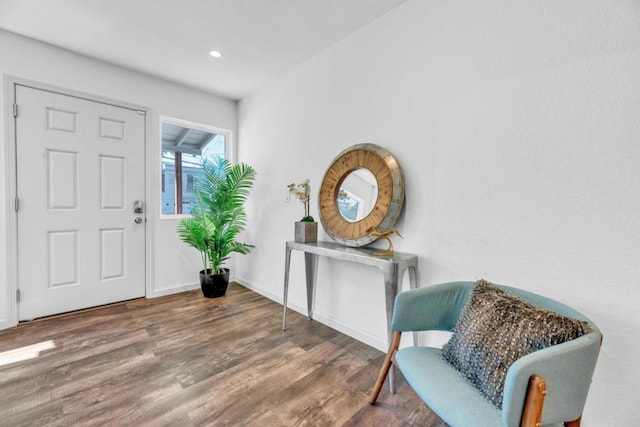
[[496, 329]]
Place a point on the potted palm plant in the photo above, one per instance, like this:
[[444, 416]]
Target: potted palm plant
[[216, 220]]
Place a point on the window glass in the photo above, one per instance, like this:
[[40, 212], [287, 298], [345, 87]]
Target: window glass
[[184, 146]]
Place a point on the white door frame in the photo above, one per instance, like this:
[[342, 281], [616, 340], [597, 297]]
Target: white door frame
[[10, 83]]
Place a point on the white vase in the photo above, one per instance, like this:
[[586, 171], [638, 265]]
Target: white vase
[[306, 232]]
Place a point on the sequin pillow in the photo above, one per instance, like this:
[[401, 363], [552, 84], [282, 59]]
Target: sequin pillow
[[496, 329]]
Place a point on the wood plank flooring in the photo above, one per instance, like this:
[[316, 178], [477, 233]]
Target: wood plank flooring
[[184, 360]]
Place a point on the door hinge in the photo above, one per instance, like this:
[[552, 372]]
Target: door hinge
[[17, 204], [17, 295], [15, 110]]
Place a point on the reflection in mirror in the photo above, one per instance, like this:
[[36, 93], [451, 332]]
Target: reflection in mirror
[[358, 194]]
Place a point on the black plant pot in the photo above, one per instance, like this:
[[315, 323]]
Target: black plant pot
[[214, 286]]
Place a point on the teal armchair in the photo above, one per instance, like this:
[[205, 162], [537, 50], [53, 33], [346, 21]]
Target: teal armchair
[[546, 387]]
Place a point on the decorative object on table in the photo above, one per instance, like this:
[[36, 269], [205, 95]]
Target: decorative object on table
[[385, 235], [216, 220], [306, 230], [339, 201]]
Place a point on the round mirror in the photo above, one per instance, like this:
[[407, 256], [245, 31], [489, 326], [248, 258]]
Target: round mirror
[[357, 195], [362, 192]]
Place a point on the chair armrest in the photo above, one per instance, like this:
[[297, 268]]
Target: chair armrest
[[567, 369], [431, 308]]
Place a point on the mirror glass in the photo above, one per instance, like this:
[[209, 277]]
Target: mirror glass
[[357, 195]]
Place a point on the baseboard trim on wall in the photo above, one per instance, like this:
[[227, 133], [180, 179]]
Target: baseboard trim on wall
[[6, 324], [173, 290], [362, 336]]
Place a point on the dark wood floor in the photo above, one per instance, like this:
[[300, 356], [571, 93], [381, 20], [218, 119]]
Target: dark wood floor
[[183, 360]]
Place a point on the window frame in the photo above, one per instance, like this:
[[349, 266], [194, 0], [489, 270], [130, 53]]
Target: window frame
[[229, 153]]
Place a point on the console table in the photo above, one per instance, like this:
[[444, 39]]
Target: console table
[[393, 269]]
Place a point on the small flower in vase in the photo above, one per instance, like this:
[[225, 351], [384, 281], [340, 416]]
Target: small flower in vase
[[303, 192], [306, 230]]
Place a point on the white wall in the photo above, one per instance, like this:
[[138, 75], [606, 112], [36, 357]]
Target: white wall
[[174, 266], [517, 127]]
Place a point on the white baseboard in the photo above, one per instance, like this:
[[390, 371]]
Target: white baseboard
[[174, 290], [362, 336], [6, 324]]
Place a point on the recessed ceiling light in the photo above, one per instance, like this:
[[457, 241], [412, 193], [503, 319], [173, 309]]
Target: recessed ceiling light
[[215, 53]]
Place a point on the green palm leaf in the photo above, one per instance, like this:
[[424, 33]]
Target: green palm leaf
[[219, 216]]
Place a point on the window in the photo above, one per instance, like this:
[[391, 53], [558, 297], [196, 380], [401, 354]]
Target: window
[[184, 146]]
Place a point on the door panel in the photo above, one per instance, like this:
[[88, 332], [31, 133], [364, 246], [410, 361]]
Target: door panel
[[80, 167]]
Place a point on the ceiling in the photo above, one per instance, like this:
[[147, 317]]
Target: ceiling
[[170, 39]]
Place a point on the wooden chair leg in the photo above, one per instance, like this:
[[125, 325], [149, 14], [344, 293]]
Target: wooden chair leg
[[574, 423], [533, 403], [395, 343]]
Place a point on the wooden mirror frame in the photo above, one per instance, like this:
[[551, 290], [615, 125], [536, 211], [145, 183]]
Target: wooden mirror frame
[[386, 210]]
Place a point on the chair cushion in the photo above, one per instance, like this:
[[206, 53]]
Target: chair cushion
[[444, 390], [495, 329]]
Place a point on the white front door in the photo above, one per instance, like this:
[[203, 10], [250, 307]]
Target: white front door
[[80, 169]]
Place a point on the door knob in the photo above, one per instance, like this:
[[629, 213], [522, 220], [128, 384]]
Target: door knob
[[138, 220]]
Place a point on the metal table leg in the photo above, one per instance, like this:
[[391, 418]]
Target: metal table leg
[[390, 291], [310, 268], [287, 263]]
